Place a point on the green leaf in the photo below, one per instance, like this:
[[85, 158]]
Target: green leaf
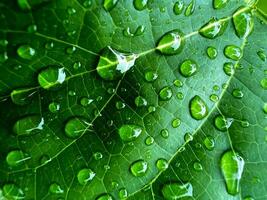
[[133, 99]]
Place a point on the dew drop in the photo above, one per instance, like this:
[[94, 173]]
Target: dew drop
[[214, 98], [75, 127], [140, 101], [140, 30], [219, 4], [77, 65], [140, 4], [29, 125], [22, 96], [51, 77], [120, 105], [165, 94], [105, 196], [129, 132], [212, 52], [188, 68], [112, 64], [162, 164], [178, 83], [222, 123], [24, 5], [209, 143], [173, 191], [243, 22], [32, 28], [171, 43], [197, 166], [49, 45], [3, 57], [70, 50], [85, 176], [139, 168], [180, 95], [264, 83], [151, 109], [262, 55], [188, 137], [214, 28], [151, 76], [233, 52], [237, 93], [87, 3], [164, 133], [232, 166], [123, 193], [12, 192], [229, 68], [109, 4], [55, 188], [149, 140], [265, 108], [178, 7], [190, 8], [176, 123], [85, 101], [198, 108], [26, 52], [98, 155], [16, 158]]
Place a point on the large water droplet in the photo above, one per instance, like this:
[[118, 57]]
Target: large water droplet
[[214, 28], [188, 68], [178, 7], [75, 127], [12, 192], [233, 52], [232, 166], [15, 158], [198, 108], [165, 94], [243, 22], [173, 191], [140, 4], [162, 164], [129, 132], [171, 42], [109, 4], [55, 188], [29, 125], [26, 52], [112, 64], [123, 193], [190, 8], [218, 4], [51, 77], [22, 96], [84, 176], [139, 168]]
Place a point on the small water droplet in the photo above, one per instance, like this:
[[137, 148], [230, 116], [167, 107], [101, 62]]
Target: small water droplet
[[149, 140], [151, 109], [75, 127], [162, 164], [32, 28], [123, 193], [188, 137], [3, 57], [26, 52], [98, 155], [51, 77], [219, 4], [190, 8], [29, 125], [214, 28], [173, 191], [140, 4], [70, 50], [71, 11], [237, 93], [22, 96], [188, 68], [232, 166], [214, 98], [139, 168], [262, 55], [243, 22], [209, 143], [171, 42], [16, 158], [87, 3], [178, 83], [180, 95], [176, 123], [109, 4], [55, 188], [85, 101], [140, 101], [151, 76], [120, 105], [85, 176], [178, 7], [197, 166], [233, 52], [77, 65], [165, 94], [264, 83], [198, 108], [229, 68], [212, 52], [164, 133], [129, 132], [105, 196], [72, 93]]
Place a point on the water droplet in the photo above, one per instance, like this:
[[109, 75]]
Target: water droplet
[[216, 88], [55, 188], [237, 93], [32, 28], [98, 155], [71, 11], [87, 3], [85, 101], [149, 140], [120, 105], [84, 176], [151, 109], [29, 125], [110, 4], [105, 196], [264, 83], [140, 30], [77, 65], [129, 132], [188, 68], [190, 8], [222, 123], [15, 158], [151, 76], [70, 50], [180, 95], [212, 52], [178, 7], [26, 52], [219, 4], [162, 164], [197, 166], [164, 133], [233, 52], [209, 143], [165, 94], [262, 55], [140, 4], [176, 123], [22, 96], [123, 193], [198, 108], [12, 192], [245, 124], [265, 108], [243, 22], [139, 168], [75, 127], [51, 77], [44, 159], [248, 198], [3, 57], [72, 93], [24, 5], [171, 43], [49, 45], [140, 101], [229, 68], [232, 166], [214, 28], [173, 191], [214, 98], [112, 64], [188, 137], [3, 43], [178, 83]]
